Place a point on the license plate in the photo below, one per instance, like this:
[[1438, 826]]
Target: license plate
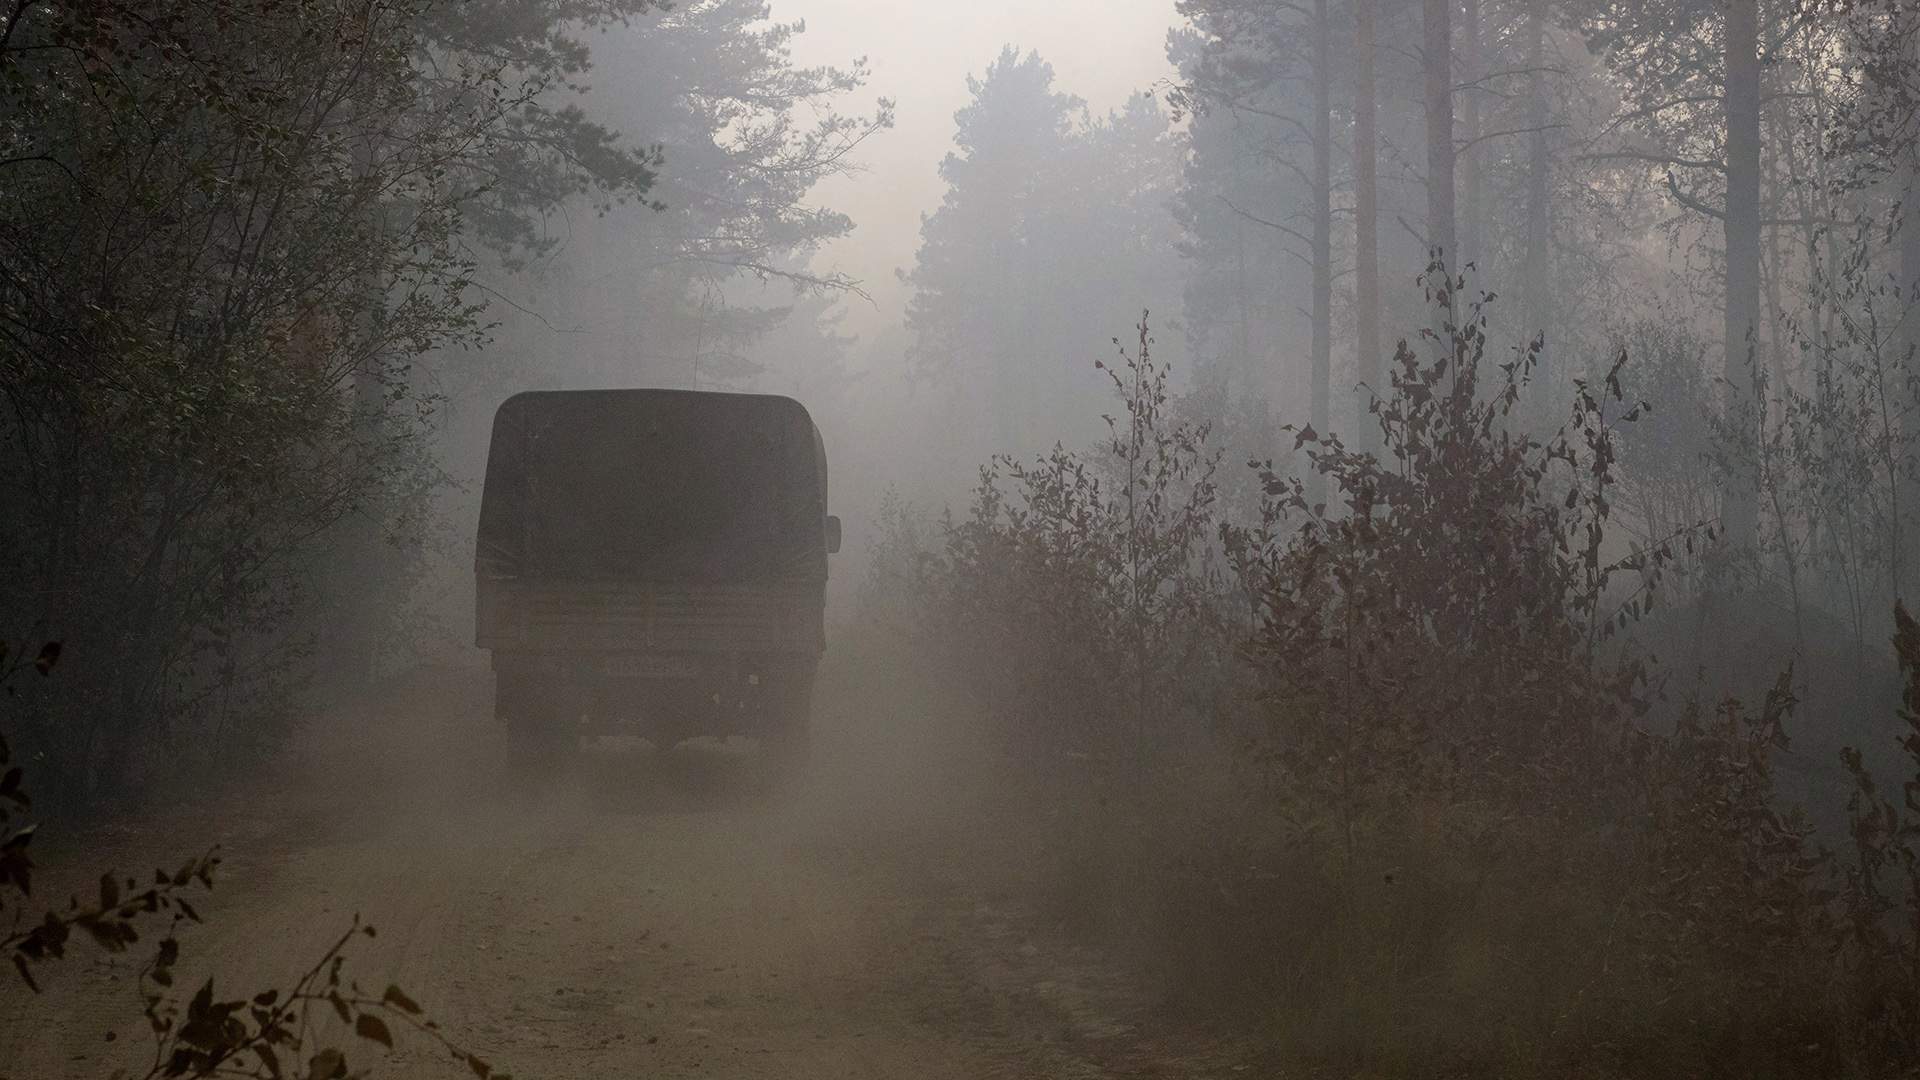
[[650, 667]]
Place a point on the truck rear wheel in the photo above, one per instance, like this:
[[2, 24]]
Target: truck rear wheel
[[786, 732], [532, 716]]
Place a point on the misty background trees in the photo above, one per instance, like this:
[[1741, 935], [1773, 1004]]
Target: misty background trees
[[1053, 220], [250, 255], [232, 231], [263, 294], [1611, 172], [1396, 405]]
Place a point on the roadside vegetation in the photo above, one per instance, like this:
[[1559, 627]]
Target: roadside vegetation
[[1388, 778], [250, 255], [249, 250], [1538, 696]]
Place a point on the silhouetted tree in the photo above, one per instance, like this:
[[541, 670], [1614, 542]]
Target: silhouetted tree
[[1050, 219]]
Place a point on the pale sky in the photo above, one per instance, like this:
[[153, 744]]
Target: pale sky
[[921, 52]]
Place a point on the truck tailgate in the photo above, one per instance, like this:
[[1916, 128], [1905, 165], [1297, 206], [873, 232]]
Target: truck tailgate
[[625, 616]]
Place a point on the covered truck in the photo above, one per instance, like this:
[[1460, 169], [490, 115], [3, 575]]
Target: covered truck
[[654, 561]]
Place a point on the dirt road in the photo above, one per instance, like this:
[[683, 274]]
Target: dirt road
[[632, 915]]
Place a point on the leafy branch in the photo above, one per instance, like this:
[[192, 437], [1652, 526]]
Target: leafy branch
[[253, 1036]]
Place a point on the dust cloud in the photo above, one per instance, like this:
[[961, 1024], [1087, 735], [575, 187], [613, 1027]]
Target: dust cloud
[[626, 910], [827, 538]]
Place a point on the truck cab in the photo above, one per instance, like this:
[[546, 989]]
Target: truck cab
[[653, 562]]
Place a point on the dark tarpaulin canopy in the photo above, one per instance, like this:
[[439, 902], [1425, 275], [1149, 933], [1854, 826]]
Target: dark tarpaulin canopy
[[653, 485]]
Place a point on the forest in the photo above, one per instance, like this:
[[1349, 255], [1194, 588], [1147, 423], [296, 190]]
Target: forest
[[1406, 518]]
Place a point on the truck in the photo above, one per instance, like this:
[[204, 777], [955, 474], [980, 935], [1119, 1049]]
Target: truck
[[654, 562]]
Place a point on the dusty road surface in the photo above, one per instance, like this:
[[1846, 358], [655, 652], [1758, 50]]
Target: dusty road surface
[[630, 915]]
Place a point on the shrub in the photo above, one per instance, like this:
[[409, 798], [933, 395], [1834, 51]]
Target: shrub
[[1442, 627], [1465, 844], [1084, 583]]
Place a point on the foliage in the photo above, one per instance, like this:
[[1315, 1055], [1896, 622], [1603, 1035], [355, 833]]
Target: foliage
[[1479, 826], [261, 1035], [1088, 584], [1052, 220], [543, 149], [1451, 610], [1244, 193], [1476, 840], [229, 234], [1881, 891], [746, 136], [1727, 892], [1846, 445], [1664, 483]]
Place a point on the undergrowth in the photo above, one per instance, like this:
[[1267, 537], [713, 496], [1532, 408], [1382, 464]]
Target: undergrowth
[[1380, 778]]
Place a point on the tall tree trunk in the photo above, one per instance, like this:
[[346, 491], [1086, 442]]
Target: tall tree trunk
[[1366, 227], [1471, 73], [1322, 231], [1440, 150], [1906, 338], [1907, 330], [1740, 508], [1537, 269]]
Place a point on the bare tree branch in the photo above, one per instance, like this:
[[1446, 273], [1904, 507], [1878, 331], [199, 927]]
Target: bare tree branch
[[1476, 141]]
